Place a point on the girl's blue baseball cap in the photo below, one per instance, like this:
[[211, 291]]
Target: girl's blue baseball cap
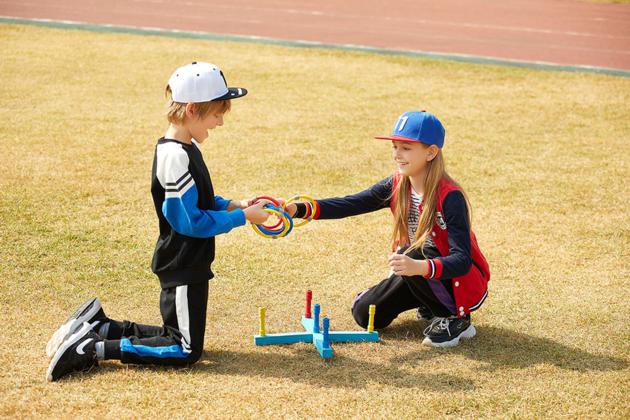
[[417, 126]]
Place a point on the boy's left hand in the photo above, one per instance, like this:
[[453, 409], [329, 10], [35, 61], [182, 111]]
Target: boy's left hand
[[403, 265], [250, 202], [238, 204], [243, 204]]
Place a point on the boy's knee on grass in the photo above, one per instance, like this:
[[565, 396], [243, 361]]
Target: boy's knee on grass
[[190, 360], [194, 357]]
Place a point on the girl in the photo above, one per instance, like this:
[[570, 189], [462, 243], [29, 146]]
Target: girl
[[437, 266]]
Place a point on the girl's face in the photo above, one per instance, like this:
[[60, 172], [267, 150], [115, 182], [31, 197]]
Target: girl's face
[[199, 127], [412, 157]]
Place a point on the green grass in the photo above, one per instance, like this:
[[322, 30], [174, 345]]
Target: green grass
[[543, 156]]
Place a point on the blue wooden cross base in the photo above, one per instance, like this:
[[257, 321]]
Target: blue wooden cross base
[[313, 335]]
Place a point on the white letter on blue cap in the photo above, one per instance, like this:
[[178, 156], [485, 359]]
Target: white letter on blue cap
[[401, 123]]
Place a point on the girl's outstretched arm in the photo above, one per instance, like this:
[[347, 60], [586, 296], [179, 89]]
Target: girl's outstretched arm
[[374, 198]]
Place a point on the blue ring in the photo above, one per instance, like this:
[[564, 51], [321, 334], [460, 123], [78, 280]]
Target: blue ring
[[275, 233]]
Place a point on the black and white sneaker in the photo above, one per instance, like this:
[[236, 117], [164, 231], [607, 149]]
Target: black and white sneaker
[[424, 314], [76, 354], [90, 311], [447, 332]]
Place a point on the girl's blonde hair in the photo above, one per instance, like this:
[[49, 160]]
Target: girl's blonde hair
[[176, 111], [436, 171]]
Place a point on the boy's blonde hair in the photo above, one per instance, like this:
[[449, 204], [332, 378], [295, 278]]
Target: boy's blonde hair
[[176, 111], [436, 171]]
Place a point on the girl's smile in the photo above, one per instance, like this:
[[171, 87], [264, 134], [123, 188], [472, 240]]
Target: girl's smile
[[411, 157]]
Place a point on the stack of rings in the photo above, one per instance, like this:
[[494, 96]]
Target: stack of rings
[[285, 224]]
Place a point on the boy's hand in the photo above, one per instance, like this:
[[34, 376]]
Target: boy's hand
[[243, 204], [256, 214], [247, 202], [403, 265]]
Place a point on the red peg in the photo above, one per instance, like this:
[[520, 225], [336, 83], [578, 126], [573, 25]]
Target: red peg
[[309, 297]]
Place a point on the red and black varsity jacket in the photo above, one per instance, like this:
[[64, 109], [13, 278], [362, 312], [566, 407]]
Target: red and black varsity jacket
[[460, 256], [471, 288]]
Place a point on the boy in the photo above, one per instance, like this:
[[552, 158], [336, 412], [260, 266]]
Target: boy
[[190, 216]]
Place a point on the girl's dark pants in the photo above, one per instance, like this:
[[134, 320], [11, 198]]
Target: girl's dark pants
[[397, 294]]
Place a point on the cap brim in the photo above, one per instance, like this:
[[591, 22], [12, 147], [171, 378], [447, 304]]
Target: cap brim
[[233, 93], [398, 138]]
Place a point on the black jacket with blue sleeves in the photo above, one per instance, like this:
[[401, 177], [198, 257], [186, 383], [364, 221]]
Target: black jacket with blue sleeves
[[189, 214]]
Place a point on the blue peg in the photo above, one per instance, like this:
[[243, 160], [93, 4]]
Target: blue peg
[[326, 323], [316, 318]]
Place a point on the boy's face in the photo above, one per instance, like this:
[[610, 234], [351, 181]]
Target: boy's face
[[199, 127]]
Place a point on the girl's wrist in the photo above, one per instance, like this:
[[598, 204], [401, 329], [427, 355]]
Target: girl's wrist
[[300, 211]]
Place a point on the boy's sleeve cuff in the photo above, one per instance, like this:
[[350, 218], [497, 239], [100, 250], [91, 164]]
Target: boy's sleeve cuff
[[221, 203], [237, 217]]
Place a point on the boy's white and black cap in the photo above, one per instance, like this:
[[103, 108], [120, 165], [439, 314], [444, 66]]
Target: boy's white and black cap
[[201, 82]]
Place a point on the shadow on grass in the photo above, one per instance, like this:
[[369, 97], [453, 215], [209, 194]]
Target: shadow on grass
[[305, 366], [495, 348], [502, 348]]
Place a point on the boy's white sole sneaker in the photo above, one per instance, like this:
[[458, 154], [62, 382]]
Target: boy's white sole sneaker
[[74, 354], [469, 332], [85, 313]]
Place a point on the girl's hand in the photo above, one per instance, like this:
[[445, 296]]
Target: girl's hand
[[403, 265], [290, 208]]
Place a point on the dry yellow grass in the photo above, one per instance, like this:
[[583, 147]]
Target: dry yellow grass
[[543, 155], [608, 1]]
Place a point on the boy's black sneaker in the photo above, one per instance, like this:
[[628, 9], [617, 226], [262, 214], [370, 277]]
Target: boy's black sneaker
[[90, 311], [76, 354], [424, 314], [447, 332]]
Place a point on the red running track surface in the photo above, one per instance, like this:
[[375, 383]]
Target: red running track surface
[[566, 32]]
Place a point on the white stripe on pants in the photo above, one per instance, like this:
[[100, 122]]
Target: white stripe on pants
[[181, 309]]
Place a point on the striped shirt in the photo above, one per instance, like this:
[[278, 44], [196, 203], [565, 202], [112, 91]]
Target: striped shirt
[[414, 219]]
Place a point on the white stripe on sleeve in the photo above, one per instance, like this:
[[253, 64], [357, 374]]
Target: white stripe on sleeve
[[172, 169]]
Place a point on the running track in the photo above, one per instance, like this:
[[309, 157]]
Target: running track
[[563, 32]]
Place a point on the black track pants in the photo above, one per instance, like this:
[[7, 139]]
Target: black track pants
[[178, 342]]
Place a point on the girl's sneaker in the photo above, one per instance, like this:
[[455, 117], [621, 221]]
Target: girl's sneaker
[[447, 332], [76, 354], [90, 311], [424, 314]]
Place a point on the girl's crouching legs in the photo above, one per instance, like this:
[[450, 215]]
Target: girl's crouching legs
[[391, 297]]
